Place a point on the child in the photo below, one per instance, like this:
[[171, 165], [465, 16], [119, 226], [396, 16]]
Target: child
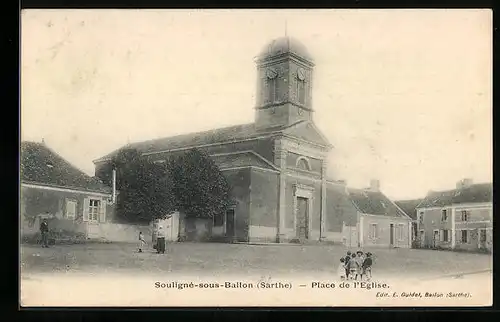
[[341, 271], [367, 266], [360, 259], [353, 267], [142, 242], [346, 264]]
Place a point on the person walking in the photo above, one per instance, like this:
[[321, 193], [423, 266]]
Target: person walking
[[142, 241], [44, 231], [160, 240]]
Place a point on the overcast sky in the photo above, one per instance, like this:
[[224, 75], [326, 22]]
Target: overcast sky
[[404, 96]]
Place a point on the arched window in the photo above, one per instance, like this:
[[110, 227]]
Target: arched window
[[303, 164], [301, 92]]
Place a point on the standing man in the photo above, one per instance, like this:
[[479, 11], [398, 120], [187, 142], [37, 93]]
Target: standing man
[[44, 230], [160, 240]]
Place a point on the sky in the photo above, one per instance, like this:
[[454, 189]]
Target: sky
[[404, 96]]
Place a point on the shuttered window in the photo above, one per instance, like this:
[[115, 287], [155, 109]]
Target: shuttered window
[[70, 209], [94, 210], [401, 232], [373, 231]]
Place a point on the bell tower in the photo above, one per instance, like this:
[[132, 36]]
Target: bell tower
[[284, 84]]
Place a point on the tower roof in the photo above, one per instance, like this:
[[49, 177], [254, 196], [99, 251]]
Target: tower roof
[[285, 45]]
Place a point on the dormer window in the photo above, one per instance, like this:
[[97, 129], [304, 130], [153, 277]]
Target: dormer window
[[444, 215]]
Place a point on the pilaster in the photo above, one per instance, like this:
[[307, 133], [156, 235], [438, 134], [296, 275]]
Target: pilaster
[[323, 202], [280, 155]]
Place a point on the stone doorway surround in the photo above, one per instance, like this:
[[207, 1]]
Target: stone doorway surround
[[306, 192]]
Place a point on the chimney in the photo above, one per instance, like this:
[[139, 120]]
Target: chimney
[[464, 183], [114, 186], [374, 185]]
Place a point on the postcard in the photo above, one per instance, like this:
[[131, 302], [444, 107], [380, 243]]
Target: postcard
[[257, 158]]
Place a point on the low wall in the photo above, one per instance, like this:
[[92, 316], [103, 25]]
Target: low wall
[[195, 229], [115, 232], [59, 228], [262, 234]]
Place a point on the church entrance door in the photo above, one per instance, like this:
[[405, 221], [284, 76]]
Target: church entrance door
[[302, 218]]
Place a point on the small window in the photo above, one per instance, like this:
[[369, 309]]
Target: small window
[[70, 209], [464, 215], [444, 215], [218, 220], [373, 231], [421, 217], [465, 237], [94, 209]]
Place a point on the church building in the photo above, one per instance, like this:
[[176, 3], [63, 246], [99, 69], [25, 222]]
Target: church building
[[275, 165]]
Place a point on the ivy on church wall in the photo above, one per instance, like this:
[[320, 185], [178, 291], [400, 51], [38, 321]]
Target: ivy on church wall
[[264, 198]]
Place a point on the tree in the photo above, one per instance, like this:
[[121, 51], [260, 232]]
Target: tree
[[144, 188], [199, 187]]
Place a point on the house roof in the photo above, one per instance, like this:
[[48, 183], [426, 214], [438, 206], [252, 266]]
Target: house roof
[[340, 204], [476, 193], [42, 166], [409, 207], [303, 130], [374, 203], [241, 159]]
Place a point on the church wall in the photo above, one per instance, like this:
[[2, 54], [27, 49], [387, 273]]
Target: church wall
[[263, 205], [239, 181]]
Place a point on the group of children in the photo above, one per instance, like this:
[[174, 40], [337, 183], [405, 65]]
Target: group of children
[[355, 265]]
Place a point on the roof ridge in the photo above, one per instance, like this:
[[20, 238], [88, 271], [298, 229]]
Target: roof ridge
[[189, 133], [468, 187]]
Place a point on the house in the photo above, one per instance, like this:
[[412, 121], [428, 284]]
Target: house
[[410, 208], [379, 221], [75, 204], [461, 218]]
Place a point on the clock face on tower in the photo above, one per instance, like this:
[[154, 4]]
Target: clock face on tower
[[301, 74], [271, 73]]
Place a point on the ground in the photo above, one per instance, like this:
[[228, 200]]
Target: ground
[[236, 259], [116, 275]]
